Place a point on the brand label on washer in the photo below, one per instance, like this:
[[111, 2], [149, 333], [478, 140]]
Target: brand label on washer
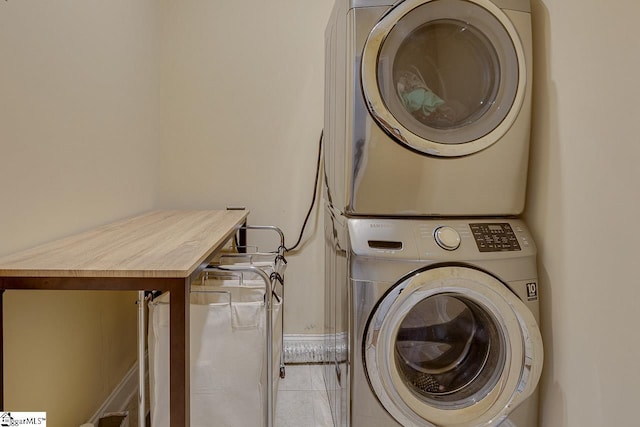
[[532, 291]]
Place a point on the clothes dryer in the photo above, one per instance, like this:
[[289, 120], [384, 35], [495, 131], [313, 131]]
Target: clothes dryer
[[443, 324], [427, 107]]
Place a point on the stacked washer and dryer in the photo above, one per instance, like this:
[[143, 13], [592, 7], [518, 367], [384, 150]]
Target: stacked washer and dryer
[[431, 300]]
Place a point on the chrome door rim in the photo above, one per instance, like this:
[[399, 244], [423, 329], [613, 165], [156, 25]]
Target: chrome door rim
[[521, 369], [381, 114]]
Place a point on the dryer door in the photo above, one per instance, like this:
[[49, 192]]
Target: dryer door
[[452, 346], [444, 77]]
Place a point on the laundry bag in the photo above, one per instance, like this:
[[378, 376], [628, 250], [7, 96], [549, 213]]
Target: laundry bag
[[221, 280], [228, 354]]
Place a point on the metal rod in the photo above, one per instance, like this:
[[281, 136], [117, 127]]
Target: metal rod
[[279, 267], [220, 274], [269, 344], [266, 227], [142, 400]]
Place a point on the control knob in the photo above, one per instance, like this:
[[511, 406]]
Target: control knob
[[447, 238]]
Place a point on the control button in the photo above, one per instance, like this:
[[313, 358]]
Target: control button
[[447, 238]]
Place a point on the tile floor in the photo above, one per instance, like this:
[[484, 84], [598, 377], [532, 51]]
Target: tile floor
[[302, 400]]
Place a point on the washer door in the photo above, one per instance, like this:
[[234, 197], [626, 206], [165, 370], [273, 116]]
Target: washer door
[[452, 346], [444, 77]]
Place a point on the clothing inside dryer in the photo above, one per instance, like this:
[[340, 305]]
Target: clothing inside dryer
[[446, 74], [449, 350]]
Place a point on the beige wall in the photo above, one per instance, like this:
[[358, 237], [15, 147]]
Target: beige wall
[[236, 122], [78, 124], [224, 98], [242, 110], [583, 207]]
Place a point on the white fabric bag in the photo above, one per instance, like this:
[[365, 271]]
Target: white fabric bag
[[228, 350]]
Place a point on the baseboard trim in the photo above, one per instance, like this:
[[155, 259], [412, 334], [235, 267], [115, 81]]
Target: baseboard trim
[[298, 348], [312, 348], [120, 397]]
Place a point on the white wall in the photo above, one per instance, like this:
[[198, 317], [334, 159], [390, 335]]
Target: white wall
[[242, 110], [78, 128], [584, 207]]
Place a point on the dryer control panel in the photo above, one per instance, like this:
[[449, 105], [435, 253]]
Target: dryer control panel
[[494, 237]]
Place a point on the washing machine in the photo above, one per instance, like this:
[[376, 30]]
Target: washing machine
[[443, 324], [428, 107]]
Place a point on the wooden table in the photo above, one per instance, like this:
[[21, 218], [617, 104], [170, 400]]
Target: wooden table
[[161, 250]]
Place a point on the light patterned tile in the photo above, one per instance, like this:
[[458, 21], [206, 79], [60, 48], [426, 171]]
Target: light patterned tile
[[321, 410], [302, 398], [294, 409], [297, 377], [317, 377]]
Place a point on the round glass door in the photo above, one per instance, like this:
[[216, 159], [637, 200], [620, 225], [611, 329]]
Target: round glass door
[[451, 345], [449, 351], [444, 77]]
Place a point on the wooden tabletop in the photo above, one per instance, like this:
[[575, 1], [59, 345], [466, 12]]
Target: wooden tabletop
[[161, 244]]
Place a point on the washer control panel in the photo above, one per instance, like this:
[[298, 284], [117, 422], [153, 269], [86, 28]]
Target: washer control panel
[[440, 240], [494, 237]]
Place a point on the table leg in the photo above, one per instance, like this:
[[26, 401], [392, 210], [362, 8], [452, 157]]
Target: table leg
[[1, 354], [179, 371]]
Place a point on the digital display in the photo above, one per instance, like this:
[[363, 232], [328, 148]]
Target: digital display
[[494, 227]]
